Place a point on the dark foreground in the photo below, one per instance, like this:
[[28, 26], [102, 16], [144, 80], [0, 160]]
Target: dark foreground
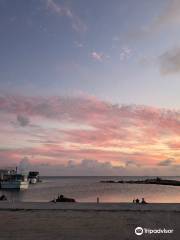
[[89, 222]]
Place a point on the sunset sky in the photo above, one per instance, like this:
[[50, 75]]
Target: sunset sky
[[90, 87]]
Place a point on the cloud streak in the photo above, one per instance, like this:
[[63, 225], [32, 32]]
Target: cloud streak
[[77, 24], [168, 17]]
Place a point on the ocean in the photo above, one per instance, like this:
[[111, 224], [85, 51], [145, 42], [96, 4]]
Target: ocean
[[87, 189]]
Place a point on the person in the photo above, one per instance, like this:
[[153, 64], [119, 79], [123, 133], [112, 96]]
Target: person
[[97, 199], [137, 200], [143, 201], [61, 197], [134, 200]]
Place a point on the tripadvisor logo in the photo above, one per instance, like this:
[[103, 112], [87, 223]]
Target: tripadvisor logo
[[139, 231]]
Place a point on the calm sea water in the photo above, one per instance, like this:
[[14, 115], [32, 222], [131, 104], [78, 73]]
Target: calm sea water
[[87, 189]]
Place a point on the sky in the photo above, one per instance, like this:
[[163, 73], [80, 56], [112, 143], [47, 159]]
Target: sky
[[90, 87]]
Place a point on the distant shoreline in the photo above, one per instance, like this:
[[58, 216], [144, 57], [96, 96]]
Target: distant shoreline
[[157, 181]]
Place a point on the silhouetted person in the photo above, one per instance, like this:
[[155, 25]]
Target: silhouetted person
[[134, 200], [137, 200], [61, 197], [97, 199], [143, 201]]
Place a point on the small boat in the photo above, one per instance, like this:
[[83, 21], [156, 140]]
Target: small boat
[[33, 177], [33, 180], [15, 181]]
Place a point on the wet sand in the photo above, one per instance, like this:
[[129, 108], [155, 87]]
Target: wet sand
[[86, 221]]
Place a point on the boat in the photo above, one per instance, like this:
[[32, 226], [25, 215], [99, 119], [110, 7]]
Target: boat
[[15, 181], [33, 177], [33, 180]]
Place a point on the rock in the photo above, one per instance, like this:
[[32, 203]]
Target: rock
[[3, 198], [61, 198]]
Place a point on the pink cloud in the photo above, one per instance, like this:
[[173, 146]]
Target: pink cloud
[[58, 129]]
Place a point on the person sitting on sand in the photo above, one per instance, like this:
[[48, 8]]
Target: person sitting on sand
[[137, 200], [143, 201]]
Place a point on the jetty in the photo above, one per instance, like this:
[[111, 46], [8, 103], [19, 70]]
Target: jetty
[[157, 180]]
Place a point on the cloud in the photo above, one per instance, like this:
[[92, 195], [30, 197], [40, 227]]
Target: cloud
[[91, 167], [22, 120], [93, 112], [77, 128], [97, 56], [168, 17], [85, 167], [126, 52], [170, 61], [77, 24], [167, 162], [174, 144], [131, 163]]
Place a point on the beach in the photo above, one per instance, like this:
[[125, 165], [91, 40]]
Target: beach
[[104, 221]]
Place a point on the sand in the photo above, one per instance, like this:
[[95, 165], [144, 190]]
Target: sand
[[86, 221]]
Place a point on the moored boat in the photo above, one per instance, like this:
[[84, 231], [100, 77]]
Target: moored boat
[[15, 181]]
